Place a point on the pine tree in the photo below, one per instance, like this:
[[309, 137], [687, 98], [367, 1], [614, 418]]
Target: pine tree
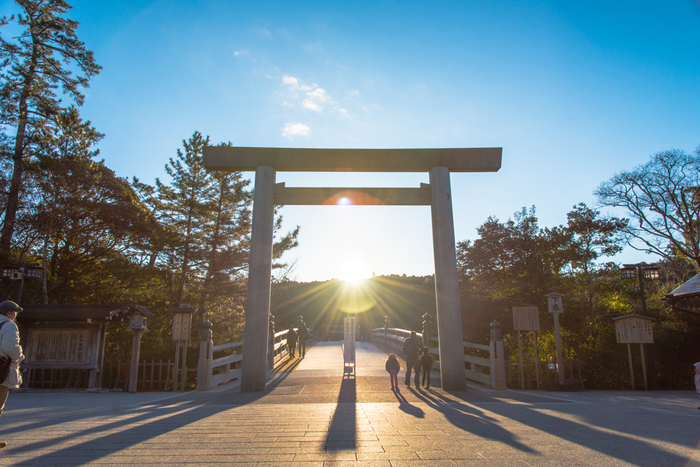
[[35, 75]]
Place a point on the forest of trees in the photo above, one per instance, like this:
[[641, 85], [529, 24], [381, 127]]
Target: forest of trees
[[104, 239]]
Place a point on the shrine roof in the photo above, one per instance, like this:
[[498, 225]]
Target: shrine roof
[[691, 288], [76, 312]]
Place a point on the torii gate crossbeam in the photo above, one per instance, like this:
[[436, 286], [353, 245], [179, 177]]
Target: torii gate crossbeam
[[437, 162]]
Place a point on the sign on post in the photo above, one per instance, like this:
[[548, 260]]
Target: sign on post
[[182, 326], [526, 318], [554, 302], [634, 329], [555, 307], [349, 345]]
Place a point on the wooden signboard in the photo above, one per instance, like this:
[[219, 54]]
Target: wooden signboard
[[634, 329], [52, 345], [182, 325], [526, 318]]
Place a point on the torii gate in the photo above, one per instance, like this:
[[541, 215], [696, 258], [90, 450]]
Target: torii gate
[[438, 162]]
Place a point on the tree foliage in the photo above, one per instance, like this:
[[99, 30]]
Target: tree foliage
[[661, 197], [36, 74]]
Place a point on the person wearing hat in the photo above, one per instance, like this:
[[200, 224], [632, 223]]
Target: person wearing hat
[[9, 348]]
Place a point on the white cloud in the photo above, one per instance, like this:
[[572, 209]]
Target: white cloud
[[343, 113], [286, 79], [308, 104], [318, 94], [290, 130], [315, 96]]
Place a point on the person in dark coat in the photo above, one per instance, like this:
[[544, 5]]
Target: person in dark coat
[[393, 367], [303, 334], [426, 364], [291, 341], [412, 347]]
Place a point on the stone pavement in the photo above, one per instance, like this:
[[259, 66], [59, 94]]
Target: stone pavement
[[312, 416]]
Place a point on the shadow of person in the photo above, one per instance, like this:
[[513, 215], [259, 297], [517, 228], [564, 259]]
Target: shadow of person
[[405, 406], [469, 418]]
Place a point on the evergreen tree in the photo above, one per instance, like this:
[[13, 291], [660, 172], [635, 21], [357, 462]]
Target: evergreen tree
[[34, 67], [183, 207], [89, 219]]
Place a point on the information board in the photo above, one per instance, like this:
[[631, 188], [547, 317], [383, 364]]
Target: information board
[[60, 346], [634, 330], [526, 318]]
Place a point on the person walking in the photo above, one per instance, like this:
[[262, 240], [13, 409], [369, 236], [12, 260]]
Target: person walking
[[9, 350], [426, 364], [411, 347], [393, 367], [303, 335], [291, 341]]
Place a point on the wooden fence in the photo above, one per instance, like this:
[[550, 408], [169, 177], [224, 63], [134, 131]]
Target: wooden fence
[[213, 372]]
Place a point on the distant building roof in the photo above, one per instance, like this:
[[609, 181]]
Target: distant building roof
[[77, 312], [689, 289]]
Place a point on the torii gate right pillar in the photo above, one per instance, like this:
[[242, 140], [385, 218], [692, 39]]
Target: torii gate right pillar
[[449, 316]]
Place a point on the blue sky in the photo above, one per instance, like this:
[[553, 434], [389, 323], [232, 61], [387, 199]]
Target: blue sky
[[572, 91]]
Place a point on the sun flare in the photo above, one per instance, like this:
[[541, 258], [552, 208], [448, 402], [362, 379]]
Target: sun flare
[[353, 271]]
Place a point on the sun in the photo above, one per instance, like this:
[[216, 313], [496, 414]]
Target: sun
[[353, 271]]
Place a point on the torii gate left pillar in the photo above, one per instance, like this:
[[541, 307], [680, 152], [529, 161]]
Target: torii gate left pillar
[[438, 162]]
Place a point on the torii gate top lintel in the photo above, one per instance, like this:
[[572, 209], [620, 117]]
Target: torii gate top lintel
[[232, 158]]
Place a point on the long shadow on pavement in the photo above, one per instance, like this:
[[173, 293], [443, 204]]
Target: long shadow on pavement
[[342, 430], [604, 440], [468, 417], [407, 407], [151, 422]]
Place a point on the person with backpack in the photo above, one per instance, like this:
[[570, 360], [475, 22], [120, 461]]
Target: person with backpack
[[392, 367], [10, 352], [426, 364], [303, 335]]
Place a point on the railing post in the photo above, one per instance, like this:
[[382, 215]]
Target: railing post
[[206, 354], [271, 345], [498, 361]]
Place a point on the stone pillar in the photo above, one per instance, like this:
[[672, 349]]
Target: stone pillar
[[206, 356], [498, 361], [449, 318], [257, 311], [135, 351]]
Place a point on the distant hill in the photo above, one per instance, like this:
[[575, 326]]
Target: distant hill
[[403, 299]]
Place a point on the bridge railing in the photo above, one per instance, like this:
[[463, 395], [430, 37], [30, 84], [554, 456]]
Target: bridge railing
[[484, 364], [213, 372]]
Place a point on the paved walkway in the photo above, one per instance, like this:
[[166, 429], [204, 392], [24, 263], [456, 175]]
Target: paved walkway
[[313, 416]]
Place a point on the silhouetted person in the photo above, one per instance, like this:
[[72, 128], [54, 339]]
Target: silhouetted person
[[303, 334], [291, 341], [412, 347], [426, 364], [393, 367]]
